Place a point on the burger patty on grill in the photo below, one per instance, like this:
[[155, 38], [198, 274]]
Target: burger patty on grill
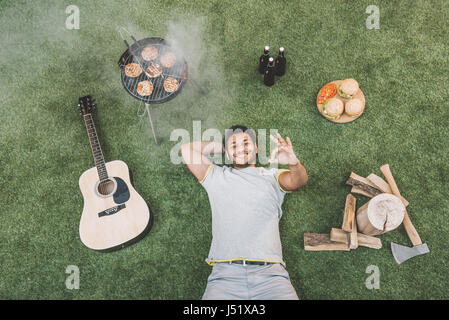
[[168, 60], [145, 88], [149, 53], [171, 84], [133, 70], [154, 70]]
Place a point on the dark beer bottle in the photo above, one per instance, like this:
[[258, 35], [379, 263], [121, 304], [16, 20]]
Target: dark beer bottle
[[268, 77], [280, 63], [263, 61]]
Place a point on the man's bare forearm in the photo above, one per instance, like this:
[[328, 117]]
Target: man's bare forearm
[[297, 177], [207, 147], [195, 152]]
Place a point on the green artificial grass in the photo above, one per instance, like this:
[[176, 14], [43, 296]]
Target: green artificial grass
[[45, 67]]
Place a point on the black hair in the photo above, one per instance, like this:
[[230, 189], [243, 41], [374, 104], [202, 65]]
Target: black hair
[[237, 129]]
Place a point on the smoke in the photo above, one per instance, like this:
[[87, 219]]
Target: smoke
[[185, 37], [189, 38], [57, 65]]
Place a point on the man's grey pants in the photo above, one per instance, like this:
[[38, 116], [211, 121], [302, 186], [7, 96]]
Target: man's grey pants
[[249, 282]]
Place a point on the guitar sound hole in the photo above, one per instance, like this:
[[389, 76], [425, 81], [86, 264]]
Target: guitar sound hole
[[106, 187]]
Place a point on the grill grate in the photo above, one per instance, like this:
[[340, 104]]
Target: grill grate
[[159, 95]]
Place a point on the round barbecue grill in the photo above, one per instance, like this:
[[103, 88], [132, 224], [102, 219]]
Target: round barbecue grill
[[133, 55], [159, 94]]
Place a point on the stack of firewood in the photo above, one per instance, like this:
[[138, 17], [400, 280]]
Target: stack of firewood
[[383, 213]]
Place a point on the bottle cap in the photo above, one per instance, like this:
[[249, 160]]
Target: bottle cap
[[281, 49], [271, 59], [267, 48]]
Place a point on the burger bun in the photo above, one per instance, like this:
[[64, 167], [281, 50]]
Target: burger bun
[[354, 107], [348, 88], [333, 108]]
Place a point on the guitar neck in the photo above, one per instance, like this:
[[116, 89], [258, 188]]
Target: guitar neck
[[95, 145]]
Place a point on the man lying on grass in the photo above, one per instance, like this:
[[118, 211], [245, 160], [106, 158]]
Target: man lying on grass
[[246, 251]]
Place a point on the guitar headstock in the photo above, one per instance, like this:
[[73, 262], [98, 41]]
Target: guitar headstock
[[86, 105]]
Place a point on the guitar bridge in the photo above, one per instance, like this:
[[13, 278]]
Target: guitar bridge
[[112, 210]]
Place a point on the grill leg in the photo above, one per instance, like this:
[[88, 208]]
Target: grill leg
[[152, 122], [203, 91]]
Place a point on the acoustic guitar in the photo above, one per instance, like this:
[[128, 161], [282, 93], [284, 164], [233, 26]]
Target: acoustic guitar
[[114, 214]]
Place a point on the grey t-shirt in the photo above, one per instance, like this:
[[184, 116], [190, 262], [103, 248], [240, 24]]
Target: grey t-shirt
[[246, 209]]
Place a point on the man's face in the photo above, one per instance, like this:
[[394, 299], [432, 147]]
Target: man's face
[[241, 149]]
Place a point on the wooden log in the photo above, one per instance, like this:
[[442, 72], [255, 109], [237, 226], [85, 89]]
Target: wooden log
[[353, 240], [379, 183], [360, 191], [381, 214], [363, 184], [383, 186], [349, 222], [338, 235], [349, 213], [322, 242]]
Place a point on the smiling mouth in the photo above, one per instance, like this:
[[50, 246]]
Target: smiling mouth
[[242, 154]]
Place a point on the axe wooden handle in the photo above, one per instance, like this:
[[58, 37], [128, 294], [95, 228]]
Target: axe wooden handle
[[409, 228]]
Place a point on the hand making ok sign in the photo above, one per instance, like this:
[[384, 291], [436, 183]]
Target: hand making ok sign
[[286, 155]]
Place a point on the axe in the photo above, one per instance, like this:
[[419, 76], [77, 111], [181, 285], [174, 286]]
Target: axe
[[403, 253]]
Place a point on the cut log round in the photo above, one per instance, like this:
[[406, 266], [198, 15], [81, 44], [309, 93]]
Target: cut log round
[[381, 214]]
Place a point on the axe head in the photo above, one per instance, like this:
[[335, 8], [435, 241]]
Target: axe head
[[403, 253]]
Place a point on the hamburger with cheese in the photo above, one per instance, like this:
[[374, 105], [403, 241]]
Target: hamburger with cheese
[[333, 108], [348, 88], [354, 107]]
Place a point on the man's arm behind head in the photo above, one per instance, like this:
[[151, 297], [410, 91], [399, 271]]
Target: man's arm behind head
[[194, 155]]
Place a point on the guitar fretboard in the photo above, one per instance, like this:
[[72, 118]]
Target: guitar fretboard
[[96, 149]]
